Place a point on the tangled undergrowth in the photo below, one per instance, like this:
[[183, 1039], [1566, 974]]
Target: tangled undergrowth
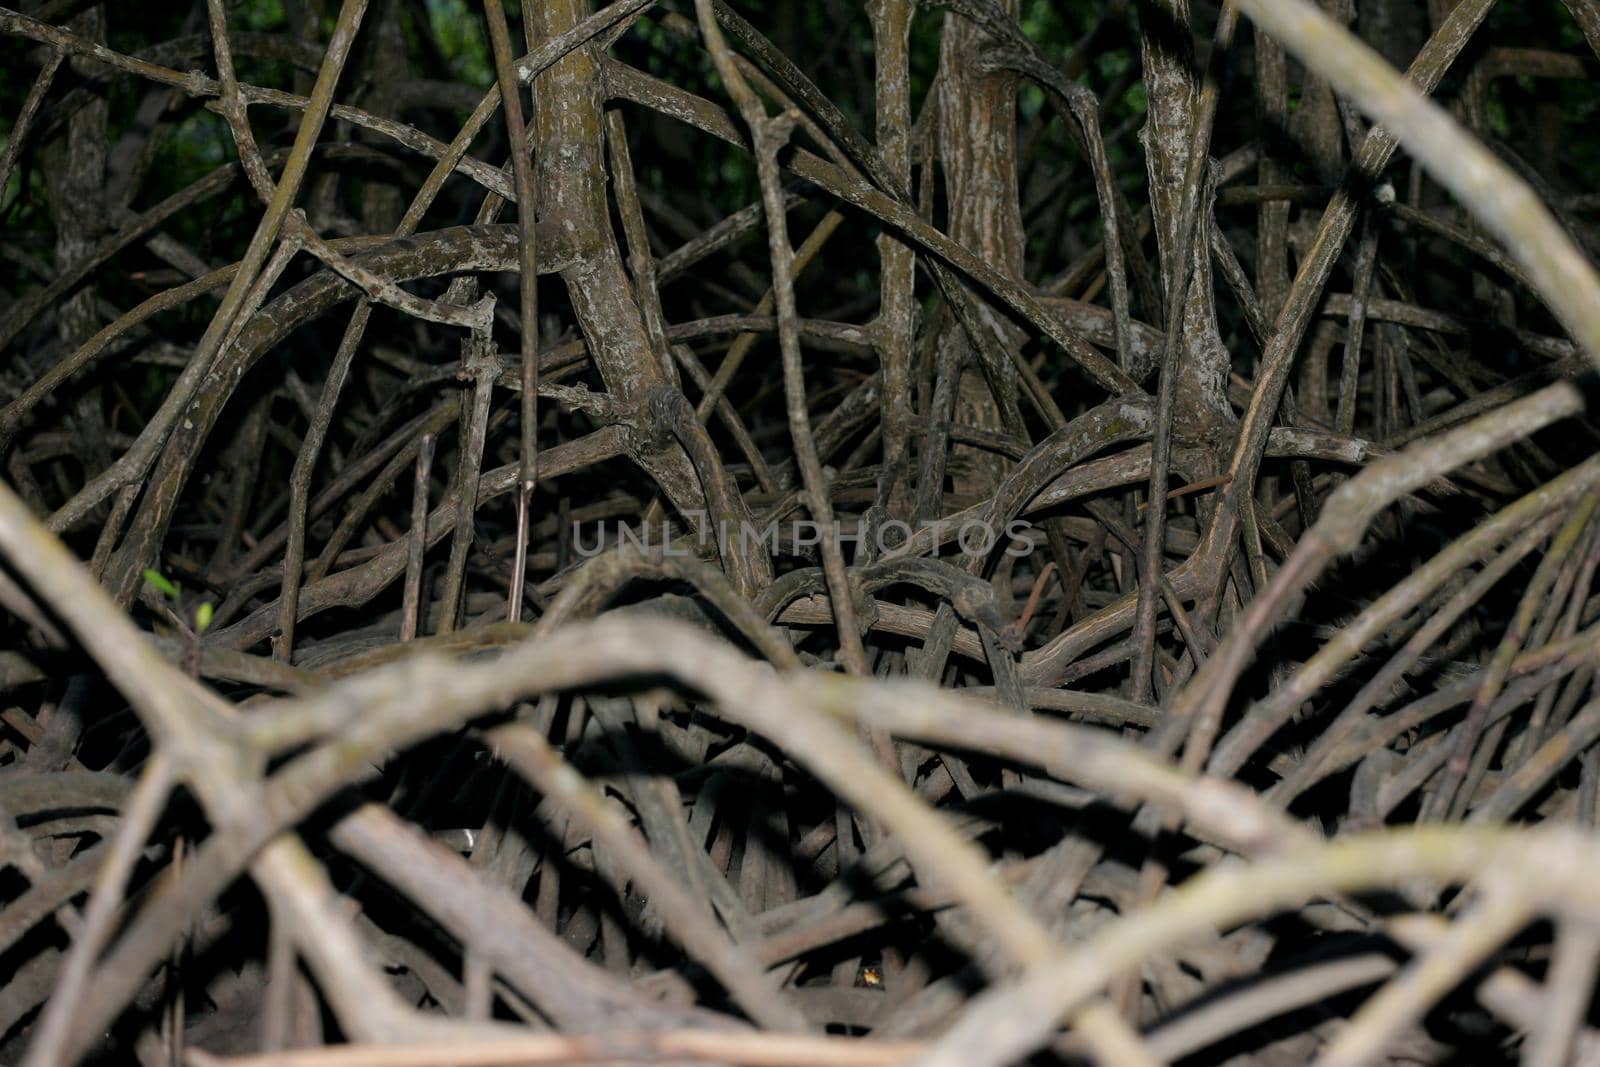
[[719, 615]]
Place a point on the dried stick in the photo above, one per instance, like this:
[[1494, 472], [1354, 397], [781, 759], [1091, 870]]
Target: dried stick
[[135, 463], [110, 883], [18, 135], [1495, 194], [1014, 1018], [417, 541], [1444, 802], [1343, 522], [528, 293], [768, 136]]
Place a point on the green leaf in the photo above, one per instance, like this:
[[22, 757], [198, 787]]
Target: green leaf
[[162, 583], [202, 616]]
